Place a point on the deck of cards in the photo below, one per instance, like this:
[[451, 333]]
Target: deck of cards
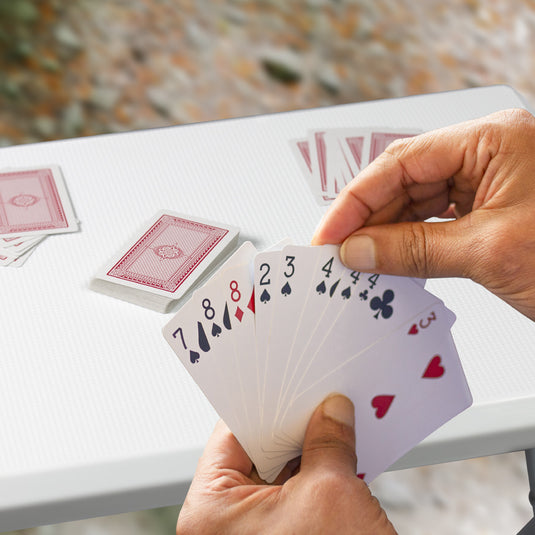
[[33, 204], [330, 158], [271, 334], [165, 259]]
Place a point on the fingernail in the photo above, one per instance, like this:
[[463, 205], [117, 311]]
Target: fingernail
[[340, 409], [358, 252], [317, 229]]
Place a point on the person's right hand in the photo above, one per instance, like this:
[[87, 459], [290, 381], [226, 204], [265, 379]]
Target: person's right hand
[[486, 168]]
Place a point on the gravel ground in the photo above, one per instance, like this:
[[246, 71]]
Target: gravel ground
[[90, 67]]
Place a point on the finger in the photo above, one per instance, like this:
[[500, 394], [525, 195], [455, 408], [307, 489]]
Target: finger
[[330, 437], [444, 249], [431, 158], [223, 451]]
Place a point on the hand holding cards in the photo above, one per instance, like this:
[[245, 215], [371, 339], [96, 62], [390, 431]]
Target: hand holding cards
[[273, 333]]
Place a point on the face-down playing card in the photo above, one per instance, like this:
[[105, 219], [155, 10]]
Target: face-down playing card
[[35, 201]]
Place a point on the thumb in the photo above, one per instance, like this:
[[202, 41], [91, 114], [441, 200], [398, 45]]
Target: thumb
[[330, 437], [445, 249]]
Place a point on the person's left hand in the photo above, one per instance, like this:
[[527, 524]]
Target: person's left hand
[[325, 496]]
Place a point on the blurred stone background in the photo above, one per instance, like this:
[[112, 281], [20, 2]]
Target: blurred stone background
[[85, 67]]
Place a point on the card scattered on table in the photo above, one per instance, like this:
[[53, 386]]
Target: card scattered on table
[[165, 259], [330, 158], [271, 334], [34, 202]]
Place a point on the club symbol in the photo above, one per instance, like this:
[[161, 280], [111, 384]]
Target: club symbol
[[382, 306], [363, 295], [346, 294], [320, 288], [265, 297], [286, 289]]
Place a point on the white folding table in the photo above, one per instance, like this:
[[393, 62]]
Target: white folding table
[[97, 415]]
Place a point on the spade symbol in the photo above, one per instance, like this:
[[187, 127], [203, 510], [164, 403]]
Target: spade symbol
[[193, 356], [226, 318], [320, 288], [203, 341], [346, 294], [286, 289], [265, 297], [333, 288], [216, 329]]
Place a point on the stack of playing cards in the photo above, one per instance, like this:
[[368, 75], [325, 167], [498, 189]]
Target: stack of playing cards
[[271, 334], [33, 203], [164, 260], [330, 158]]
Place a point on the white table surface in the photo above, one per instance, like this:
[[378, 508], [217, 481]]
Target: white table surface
[[97, 415]]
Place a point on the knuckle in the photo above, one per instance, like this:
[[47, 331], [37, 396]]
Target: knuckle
[[515, 116], [333, 442], [414, 251]]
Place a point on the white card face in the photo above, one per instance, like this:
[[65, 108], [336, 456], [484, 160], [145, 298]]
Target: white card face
[[366, 308], [291, 291], [327, 271], [405, 386], [203, 332]]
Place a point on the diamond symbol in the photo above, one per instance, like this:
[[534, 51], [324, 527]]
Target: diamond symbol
[[239, 313]]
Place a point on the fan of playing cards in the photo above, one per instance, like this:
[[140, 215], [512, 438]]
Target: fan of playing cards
[[271, 334]]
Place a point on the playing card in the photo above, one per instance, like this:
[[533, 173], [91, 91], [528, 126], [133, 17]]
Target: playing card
[[203, 335], [271, 334], [331, 157], [165, 259], [354, 298], [292, 285], [403, 388], [301, 151], [34, 201]]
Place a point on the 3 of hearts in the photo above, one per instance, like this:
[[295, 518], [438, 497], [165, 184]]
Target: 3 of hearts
[[273, 333]]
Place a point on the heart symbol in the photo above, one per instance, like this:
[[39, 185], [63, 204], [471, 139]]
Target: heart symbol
[[361, 475], [286, 290], [413, 329], [216, 329], [381, 404], [193, 356], [265, 297], [434, 369]]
